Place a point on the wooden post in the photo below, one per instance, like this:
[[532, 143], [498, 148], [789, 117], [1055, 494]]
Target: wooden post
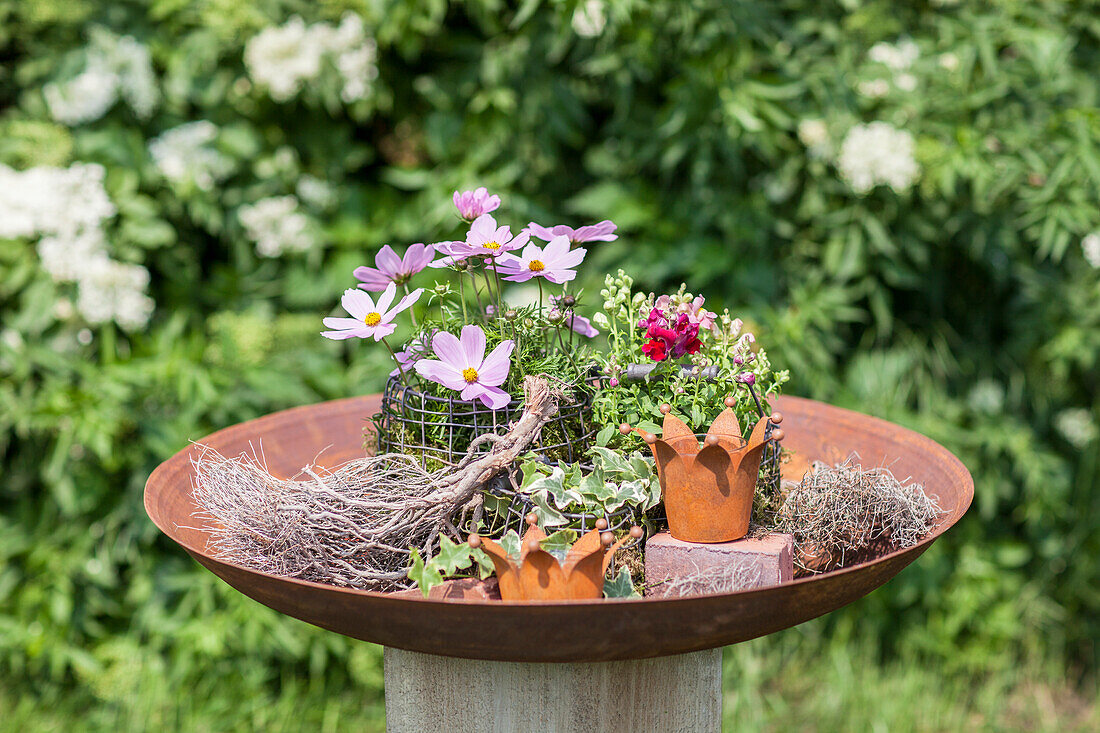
[[675, 694]]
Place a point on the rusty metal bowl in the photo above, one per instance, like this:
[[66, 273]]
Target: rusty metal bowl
[[558, 631]]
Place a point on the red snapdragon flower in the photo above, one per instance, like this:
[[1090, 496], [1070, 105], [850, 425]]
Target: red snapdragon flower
[[669, 339]]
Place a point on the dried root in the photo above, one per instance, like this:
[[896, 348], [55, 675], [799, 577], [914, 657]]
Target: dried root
[[355, 525], [841, 514]]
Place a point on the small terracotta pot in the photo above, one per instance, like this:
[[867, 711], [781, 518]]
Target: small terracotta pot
[[708, 487]]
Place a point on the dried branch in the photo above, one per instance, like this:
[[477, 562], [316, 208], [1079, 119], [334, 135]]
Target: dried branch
[[354, 525]]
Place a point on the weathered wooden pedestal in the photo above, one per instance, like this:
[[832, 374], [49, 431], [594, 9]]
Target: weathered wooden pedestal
[[425, 692]]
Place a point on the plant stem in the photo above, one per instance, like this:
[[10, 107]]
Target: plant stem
[[462, 297], [412, 311], [400, 369]]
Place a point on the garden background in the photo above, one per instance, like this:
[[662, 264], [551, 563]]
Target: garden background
[[900, 197]]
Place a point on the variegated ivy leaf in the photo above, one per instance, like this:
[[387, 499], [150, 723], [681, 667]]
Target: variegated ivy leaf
[[596, 488], [511, 544], [641, 466], [545, 511], [558, 543], [609, 460]]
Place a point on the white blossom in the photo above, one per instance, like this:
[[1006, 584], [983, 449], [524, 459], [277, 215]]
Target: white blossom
[[68, 258], [277, 225], [114, 68], [1076, 426], [873, 88], [906, 82], [65, 208], [1090, 247], [878, 153], [814, 134], [52, 201], [285, 58], [899, 56], [590, 18], [186, 154], [115, 291], [84, 98], [949, 61], [316, 192], [987, 396]]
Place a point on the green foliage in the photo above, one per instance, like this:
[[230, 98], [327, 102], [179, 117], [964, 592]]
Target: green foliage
[[953, 298]]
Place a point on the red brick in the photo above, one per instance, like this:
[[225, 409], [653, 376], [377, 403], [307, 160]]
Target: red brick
[[721, 567]]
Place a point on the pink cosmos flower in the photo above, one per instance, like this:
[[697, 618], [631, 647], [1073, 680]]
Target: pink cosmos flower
[[486, 239], [369, 319], [389, 268], [453, 253], [555, 262], [472, 204], [602, 232], [463, 366]]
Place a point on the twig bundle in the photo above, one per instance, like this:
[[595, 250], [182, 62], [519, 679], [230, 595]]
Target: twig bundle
[[357, 524], [837, 513]]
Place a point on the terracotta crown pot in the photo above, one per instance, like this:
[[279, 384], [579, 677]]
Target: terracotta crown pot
[[538, 576], [708, 488]]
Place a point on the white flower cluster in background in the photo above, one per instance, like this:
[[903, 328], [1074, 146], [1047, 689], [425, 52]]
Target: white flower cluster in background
[[285, 58], [316, 192], [65, 209], [277, 225], [1090, 247], [186, 155], [590, 18], [115, 67], [1076, 426], [899, 59], [115, 291], [878, 153], [814, 134]]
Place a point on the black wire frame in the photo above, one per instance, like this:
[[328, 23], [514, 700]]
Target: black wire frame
[[439, 430]]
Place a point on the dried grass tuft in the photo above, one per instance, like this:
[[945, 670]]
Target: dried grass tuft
[[839, 513]]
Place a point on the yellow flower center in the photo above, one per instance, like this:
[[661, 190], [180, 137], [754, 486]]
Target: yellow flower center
[[373, 319], [491, 245], [470, 375], [536, 266]]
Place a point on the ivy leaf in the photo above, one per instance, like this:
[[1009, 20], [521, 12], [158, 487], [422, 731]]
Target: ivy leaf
[[510, 542], [485, 567], [426, 576], [559, 541], [547, 514], [554, 482], [609, 460], [641, 466], [620, 586], [452, 557]]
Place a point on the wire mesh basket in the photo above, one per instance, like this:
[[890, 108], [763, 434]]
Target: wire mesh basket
[[439, 430]]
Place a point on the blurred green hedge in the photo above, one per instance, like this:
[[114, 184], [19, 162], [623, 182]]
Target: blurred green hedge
[[898, 195]]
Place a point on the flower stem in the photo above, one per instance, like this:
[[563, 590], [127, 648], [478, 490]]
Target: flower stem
[[462, 297], [400, 369], [412, 311]]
